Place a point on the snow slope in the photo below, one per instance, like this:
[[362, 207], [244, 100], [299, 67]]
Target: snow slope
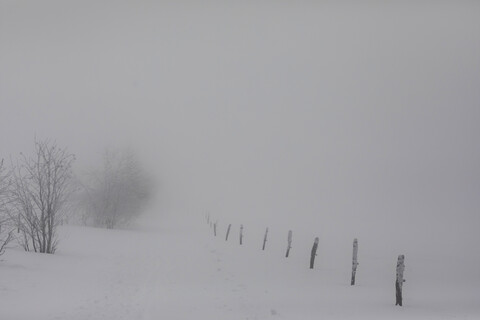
[[180, 271]]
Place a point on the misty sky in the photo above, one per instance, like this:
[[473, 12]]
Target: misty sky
[[317, 112]]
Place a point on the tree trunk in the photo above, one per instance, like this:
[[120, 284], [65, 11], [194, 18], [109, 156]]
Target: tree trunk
[[314, 252], [354, 261]]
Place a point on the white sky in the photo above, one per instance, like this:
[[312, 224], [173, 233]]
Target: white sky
[[324, 112]]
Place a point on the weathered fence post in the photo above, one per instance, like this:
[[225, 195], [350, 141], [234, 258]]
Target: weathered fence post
[[265, 239], [241, 234], [289, 243], [314, 252], [354, 261], [228, 232], [215, 228], [399, 281]]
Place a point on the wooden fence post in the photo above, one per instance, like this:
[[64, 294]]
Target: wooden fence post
[[399, 280], [215, 228], [314, 252], [241, 234], [265, 239], [354, 261], [289, 243], [228, 232]]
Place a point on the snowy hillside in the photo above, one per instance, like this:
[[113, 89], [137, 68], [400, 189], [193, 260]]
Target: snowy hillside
[[181, 271], [333, 119]]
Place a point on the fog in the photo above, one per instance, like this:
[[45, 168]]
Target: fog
[[316, 115]]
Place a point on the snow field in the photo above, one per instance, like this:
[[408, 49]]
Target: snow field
[[180, 271]]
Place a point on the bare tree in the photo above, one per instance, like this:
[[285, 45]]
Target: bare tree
[[41, 186], [6, 233], [115, 194]]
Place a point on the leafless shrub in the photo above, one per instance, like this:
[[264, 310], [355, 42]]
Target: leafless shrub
[[115, 194], [6, 234], [41, 185]]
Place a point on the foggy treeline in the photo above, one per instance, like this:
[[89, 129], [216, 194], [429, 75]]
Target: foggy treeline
[[114, 194], [39, 192]]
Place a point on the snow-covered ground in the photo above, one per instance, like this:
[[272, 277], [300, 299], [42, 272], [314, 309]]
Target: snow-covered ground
[[180, 271], [335, 119]]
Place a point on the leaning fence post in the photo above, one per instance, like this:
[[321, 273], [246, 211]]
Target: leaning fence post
[[314, 252], [399, 281], [354, 261], [228, 232], [265, 239], [241, 234], [289, 243]]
